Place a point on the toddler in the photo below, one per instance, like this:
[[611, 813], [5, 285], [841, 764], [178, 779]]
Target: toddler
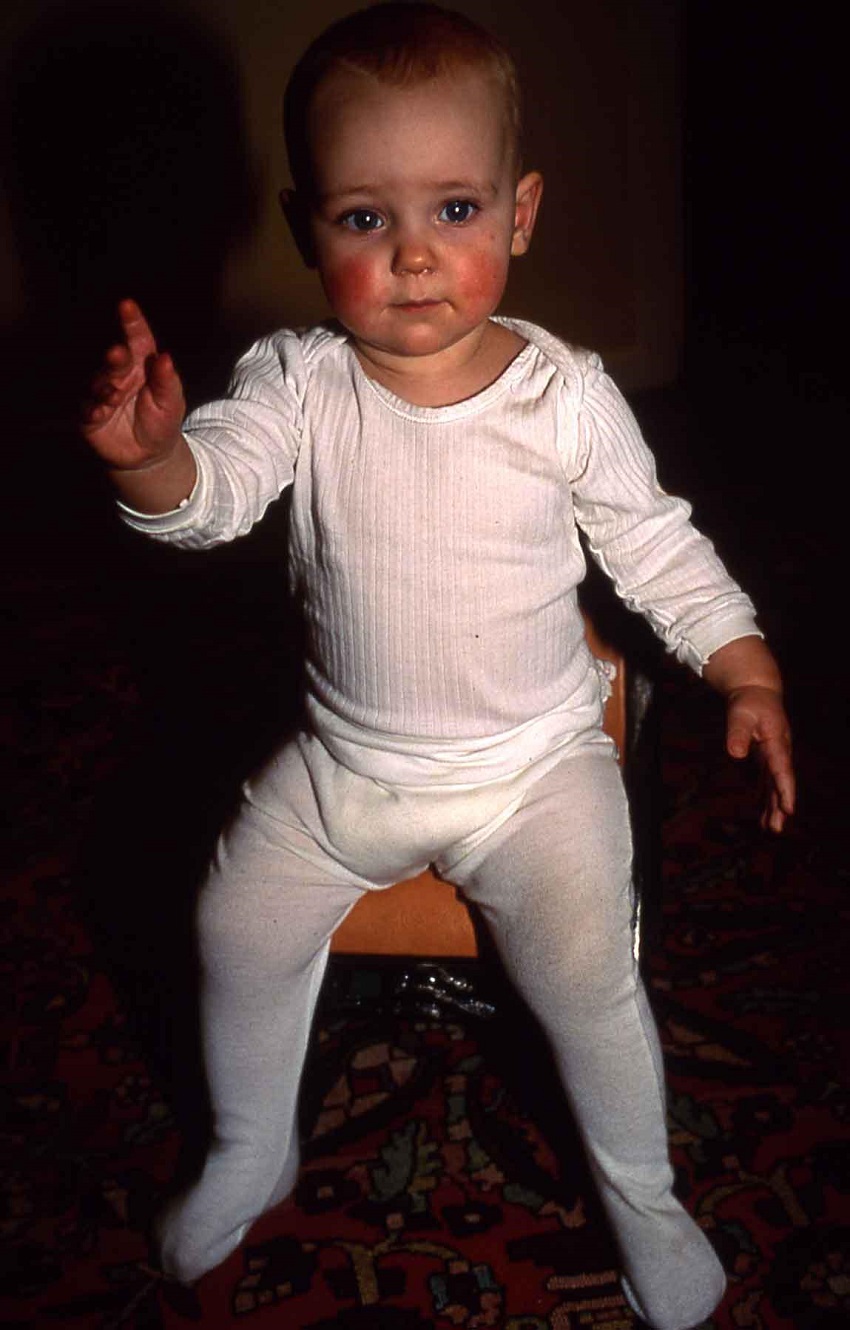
[[442, 460]]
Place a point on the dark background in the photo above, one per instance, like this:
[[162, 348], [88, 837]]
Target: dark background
[[150, 198]]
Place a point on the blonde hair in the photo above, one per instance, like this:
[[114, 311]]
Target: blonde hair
[[400, 44]]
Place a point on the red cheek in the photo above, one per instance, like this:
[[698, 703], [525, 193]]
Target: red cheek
[[482, 276], [349, 285]]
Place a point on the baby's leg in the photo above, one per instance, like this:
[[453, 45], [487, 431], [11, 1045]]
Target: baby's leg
[[554, 885], [265, 916]]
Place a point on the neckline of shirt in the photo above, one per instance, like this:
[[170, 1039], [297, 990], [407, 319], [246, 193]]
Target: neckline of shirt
[[456, 410]]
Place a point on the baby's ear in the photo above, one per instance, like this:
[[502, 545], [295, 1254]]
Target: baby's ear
[[297, 214], [529, 191]]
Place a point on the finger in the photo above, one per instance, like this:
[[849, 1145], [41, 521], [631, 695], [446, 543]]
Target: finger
[[776, 756], [96, 414], [777, 821], [102, 392], [780, 795], [769, 800], [739, 737], [105, 385], [118, 359], [786, 788], [773, 819], [164, 382], [119, 372], [137, 331]]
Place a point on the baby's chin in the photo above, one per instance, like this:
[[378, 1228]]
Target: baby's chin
[[421, 330]]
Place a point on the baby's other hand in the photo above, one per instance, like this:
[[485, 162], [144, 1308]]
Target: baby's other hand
[[755, 717]]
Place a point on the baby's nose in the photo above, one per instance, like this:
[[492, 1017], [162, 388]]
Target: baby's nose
[[413, 254]]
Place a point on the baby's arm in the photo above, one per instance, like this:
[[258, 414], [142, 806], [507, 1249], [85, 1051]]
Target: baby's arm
[[135, 417], [747, 675], [663, 567]]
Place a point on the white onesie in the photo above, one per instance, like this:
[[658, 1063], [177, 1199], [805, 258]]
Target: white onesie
[[436, 549], [455, 713]]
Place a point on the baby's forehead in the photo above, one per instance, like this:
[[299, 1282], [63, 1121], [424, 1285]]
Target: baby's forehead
[[346, 93], [348, 82]]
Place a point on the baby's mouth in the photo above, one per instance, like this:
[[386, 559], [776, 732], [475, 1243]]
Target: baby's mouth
[[428, 303]]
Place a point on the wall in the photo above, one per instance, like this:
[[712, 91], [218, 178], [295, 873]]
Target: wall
[[149, 158]]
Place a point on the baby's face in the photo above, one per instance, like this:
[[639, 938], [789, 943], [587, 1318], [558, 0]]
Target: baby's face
[[416, 208]]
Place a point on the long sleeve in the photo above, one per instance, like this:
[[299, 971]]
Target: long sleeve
[[244, 446], [643, 538]]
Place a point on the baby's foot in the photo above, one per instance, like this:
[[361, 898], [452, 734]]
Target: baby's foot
[[200, 1227], [702, 1296]]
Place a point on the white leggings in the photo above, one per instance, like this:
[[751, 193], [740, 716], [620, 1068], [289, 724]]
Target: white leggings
[[552, 878]]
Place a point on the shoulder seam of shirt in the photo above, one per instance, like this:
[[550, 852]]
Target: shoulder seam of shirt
[[572, 362], [315, 342]]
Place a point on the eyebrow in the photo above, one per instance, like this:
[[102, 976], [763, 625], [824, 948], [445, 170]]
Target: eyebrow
[[438, 187]]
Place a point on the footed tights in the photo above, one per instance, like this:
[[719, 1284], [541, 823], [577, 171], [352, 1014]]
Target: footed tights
[[552, 877]]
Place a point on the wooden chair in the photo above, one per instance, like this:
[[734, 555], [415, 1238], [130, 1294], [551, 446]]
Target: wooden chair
[[426, 917]]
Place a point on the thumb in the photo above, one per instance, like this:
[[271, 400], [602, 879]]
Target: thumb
[[739, 737]]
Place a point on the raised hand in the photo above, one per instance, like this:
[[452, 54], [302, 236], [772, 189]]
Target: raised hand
[[137, 404], [134, 417]]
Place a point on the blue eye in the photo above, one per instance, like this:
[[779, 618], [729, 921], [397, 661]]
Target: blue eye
[[361, 219], [457, 211]]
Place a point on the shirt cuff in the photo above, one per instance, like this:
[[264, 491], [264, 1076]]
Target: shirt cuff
[[736, 624]]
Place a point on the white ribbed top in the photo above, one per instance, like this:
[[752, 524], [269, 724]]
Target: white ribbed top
[[436, 548]]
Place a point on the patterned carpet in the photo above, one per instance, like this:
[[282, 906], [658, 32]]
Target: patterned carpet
[[442, 1185]]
